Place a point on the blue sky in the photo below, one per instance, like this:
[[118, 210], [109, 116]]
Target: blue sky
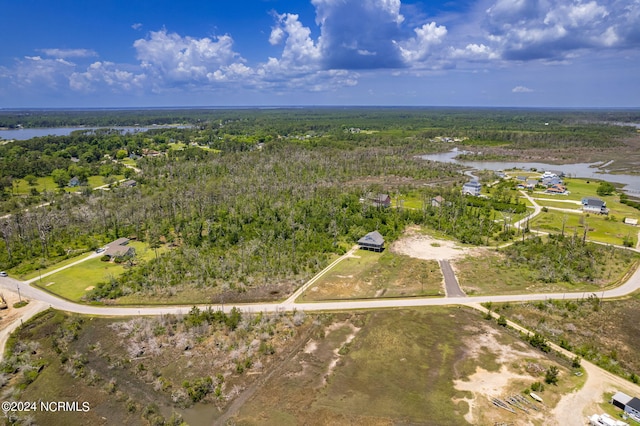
[[530, 53]]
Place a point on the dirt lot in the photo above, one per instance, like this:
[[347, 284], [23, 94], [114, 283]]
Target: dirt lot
[[426, 247]]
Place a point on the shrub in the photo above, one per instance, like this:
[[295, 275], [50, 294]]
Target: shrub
[[551, 375]]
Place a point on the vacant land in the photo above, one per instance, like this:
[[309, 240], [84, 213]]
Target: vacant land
[[429, 366], [406, 367], [537, 266], [368, 274]]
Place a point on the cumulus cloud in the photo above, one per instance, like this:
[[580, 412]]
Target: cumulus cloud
[[69, 53], [419, 47], [359, 34], [539, 29], [300, 50], [36, 71], [172, 58], [521, 89], [101, 74]]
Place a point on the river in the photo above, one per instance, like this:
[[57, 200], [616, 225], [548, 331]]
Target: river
[[582, 170], [24, 134]]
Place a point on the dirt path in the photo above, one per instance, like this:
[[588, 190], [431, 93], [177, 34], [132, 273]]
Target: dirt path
[[575, 407]]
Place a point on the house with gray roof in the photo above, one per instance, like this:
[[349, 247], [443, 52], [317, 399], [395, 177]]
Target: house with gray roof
[[372, 241], [594, 205], [119, 248]]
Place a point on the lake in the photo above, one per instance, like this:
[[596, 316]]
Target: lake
[[24, 134], [581, 170]]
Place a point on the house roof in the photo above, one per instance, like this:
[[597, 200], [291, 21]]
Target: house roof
[[382, 197], [438, 199], [117, 247], [621, 397], [634, 403], [372, 238], [593, 202], [473, 184]]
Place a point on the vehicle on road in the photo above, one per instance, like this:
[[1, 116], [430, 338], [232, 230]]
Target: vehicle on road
[[3, 274], [100, 250]]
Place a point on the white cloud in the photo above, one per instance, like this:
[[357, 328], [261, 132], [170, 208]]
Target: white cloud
[[137, 26], [300, 51], [359, 34], [100, 74], [69, 53], [173, 58], [418, 48], [521, 89], [35, 71]]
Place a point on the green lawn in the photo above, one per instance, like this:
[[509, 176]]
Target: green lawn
[[600, 228], [21, 187], [72, 283]]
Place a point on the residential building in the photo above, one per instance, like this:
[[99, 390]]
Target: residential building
[[381, 200], [556, 189], [372, 241], [119, 248], [630, 221], [594, 205], [129, 183], [74, 181], [632, 409], [472, 188]]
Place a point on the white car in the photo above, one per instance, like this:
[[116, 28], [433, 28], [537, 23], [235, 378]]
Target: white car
[[100, 250], [3, 274]]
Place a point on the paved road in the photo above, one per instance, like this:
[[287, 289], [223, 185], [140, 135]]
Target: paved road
[[8, 283], [451, 285]]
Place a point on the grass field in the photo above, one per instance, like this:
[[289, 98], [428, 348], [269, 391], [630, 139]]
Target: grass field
[[599, 228], [403, 367], [21, 187], [369, 274], [72, 283]]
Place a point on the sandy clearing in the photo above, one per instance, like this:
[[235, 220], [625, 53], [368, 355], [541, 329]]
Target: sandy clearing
[[573, 408], [428, 248]]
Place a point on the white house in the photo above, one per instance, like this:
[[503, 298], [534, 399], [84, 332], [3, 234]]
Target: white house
[[472, 188]]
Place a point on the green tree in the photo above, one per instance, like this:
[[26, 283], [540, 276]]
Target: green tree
[[551, 375], [605, 188], [31, 180], [60, 177]]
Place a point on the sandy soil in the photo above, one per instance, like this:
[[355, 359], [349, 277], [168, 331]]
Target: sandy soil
[[573, 409], [484, 384], [429, 248]]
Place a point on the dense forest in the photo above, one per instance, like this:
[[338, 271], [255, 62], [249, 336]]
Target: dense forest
[[257, 199]]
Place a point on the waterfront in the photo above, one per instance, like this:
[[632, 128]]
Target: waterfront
[[581, 170], [24, 134]]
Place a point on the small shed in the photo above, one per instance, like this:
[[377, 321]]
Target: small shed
[[620, 400], [372, 241], [629, 221]]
